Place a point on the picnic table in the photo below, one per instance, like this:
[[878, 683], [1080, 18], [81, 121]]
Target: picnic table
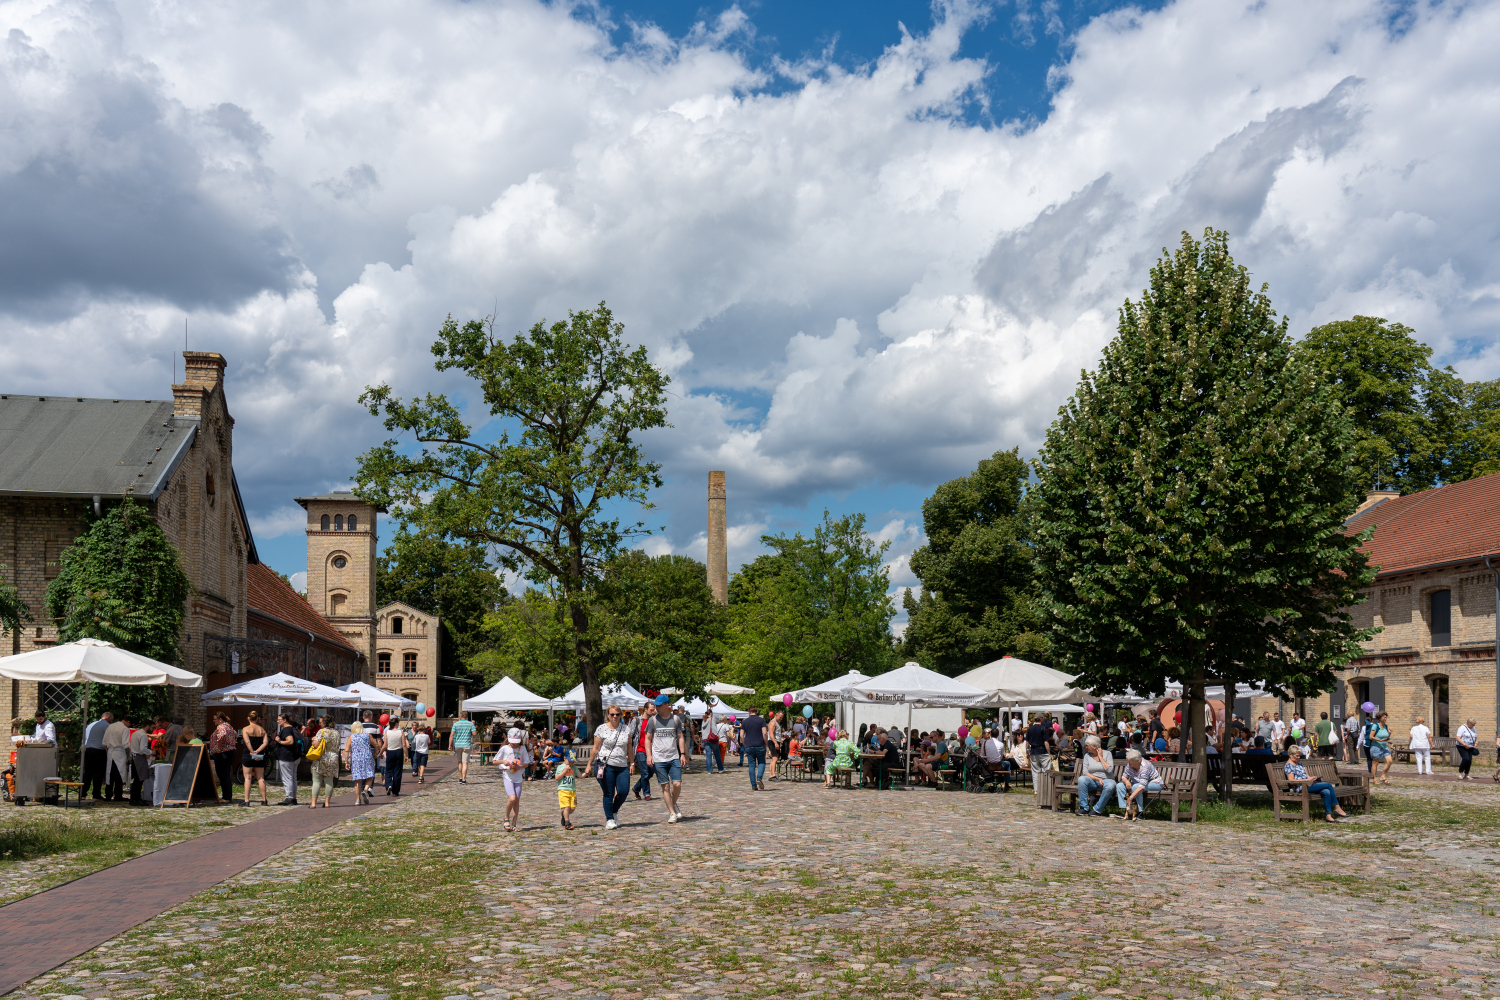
[[870, 768]]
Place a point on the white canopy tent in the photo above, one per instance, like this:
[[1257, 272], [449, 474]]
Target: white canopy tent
[[372, 697], [721, 689], [621, 695], [720, 708], [506, 696], [1013, 682], [94, 660], [913, 684], [281, 689]]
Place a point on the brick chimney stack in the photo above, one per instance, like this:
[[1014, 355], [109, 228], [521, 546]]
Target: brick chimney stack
[[718, 549], [203, 373], [1374, 497]]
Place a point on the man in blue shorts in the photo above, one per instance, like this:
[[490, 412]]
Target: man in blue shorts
[[665, 748]]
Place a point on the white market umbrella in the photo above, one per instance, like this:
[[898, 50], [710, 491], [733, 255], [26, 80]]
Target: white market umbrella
[[94, 660], [621, 695], [720, 688], [1054, 709], [914, 685], [1011, 681], [282, 689], [507, 696], [372, 697]]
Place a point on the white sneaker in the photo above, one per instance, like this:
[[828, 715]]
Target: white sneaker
[[679, 814], [672, 818], [611, 825]]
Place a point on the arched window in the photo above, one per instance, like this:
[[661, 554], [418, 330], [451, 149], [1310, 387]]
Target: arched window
[[353, 522], [338, 522], [336, 604], [1441, 619], [1439, 688], [325, 522], [396, 625]]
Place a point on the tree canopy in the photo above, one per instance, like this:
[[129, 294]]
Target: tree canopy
[[121, 582], [657, 621], [1190, 497], [575, 398], [975, 570], [811, 609]]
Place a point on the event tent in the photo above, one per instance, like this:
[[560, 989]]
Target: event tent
[[282, 689], [506, 696], [93, 660], [1012, 682], [720, 688], [372, 697], [827, 691], [913, 684], [698, 706], [620, 695]]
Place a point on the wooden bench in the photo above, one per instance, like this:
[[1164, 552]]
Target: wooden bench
[[1351, 788], [1067, 785], [64, 789], [844, 776]]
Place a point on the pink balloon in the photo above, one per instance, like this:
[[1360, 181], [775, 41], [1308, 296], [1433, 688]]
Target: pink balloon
[[1089, 707], [963, 731], [786, 700]]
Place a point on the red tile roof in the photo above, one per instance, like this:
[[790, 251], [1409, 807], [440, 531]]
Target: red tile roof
[[1451, 524], [269, 593]]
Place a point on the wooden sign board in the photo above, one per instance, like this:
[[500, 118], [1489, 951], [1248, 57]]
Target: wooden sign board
[[188, 770]]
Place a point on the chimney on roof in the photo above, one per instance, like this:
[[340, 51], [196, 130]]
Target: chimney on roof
[[203, 373], [1374, 497]]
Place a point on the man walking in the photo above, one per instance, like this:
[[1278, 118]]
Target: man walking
[[287, 757], [94, 755], [665, 749], [710, 743], [638, 737], [1039, 744], [1278, 732], [461, 740], [753, 744], [1351, 739]]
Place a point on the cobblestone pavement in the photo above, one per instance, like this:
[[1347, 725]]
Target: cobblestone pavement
[[799, 891]]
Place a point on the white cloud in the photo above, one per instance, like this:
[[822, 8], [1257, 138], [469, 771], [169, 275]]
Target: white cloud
[[298, 581], [849, 284], [281, 521]]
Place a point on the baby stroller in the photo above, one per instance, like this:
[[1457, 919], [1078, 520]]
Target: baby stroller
[[977, 774]]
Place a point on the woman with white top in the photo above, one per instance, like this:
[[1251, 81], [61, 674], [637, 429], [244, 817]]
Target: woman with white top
[[421, 745], [512, 760], [612, 763], [1421, 746], [1468, 749]]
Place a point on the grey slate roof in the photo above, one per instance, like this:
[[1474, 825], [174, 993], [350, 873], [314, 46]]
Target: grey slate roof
[[346, 496], [71, 447]]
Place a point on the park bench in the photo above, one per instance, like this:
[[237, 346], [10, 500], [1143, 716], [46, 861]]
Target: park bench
[[844, 776], [1351, 788], [1066, 785], [1244, 769]]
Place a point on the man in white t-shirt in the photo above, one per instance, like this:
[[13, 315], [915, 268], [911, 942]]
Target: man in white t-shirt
[[421, 744], [1351, 738], [1421, 746], [1278, 730], [1015, 724], [665, 747]]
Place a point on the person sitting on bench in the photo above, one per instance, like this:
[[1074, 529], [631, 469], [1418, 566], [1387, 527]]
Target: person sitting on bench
[[1297, 775], [1139, 777]]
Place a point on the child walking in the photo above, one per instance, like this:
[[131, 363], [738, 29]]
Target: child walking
[[512, 760], [567, 791]]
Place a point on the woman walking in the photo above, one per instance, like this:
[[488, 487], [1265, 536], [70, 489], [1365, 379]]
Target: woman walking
[[359, 754], [1468, 749], [421, 745], [221, 746], [512, 760], [612, 764], [324, 754], [257, 744], [1379, 740], [1421, 746]]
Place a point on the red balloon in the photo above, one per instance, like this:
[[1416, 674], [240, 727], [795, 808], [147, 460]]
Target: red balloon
[[431, 711], [385, 720]]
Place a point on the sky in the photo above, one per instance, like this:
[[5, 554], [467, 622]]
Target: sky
[[871, 243]]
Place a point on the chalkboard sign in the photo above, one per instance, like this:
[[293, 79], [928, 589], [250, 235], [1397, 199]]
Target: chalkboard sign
[[189, 773]]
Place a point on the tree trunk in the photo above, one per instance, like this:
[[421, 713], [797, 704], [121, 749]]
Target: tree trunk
[[583, 651], [1199, 723], [1226, 762]]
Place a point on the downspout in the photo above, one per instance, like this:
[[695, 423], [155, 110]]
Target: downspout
[[97, 499], [1496, 575]]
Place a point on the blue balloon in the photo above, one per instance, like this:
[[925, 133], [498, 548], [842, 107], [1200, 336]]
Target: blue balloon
[[807, 711], [968, 741], [421, 708]]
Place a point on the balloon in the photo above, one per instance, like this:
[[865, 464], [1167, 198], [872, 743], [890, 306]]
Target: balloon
[[431, 712], [1088, 708], [807, 711], [963, 731], [421, 708], [968, 741], [786, 700], [1367, 707], [385, 720]]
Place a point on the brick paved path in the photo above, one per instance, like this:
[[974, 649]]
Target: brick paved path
[[43, 931], [801, 892]]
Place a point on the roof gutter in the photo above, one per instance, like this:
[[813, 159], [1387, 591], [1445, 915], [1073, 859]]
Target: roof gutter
[[1479, 557], [312, 637]]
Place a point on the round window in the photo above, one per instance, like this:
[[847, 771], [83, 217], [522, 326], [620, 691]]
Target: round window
[[339, 562]]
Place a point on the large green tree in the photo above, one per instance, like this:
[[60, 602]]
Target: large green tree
[[570, 399], [975, 570], [1407, 414], [453, 580], [1190, 498], [811, 608], [657, 621], [529, 639], [121, 581]]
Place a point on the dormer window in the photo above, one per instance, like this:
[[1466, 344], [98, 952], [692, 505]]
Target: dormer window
[[396, 625]]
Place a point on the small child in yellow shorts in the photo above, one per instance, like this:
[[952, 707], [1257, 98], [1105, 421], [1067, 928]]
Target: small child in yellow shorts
[[567, 791]]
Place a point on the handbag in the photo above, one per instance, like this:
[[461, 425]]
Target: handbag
[[316, 750]]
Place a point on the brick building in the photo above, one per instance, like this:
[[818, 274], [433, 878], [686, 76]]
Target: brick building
[[62, 456], [408, 653], [1434, 599]]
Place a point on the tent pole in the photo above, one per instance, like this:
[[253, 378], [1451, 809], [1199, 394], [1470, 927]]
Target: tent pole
[[906, 742]]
